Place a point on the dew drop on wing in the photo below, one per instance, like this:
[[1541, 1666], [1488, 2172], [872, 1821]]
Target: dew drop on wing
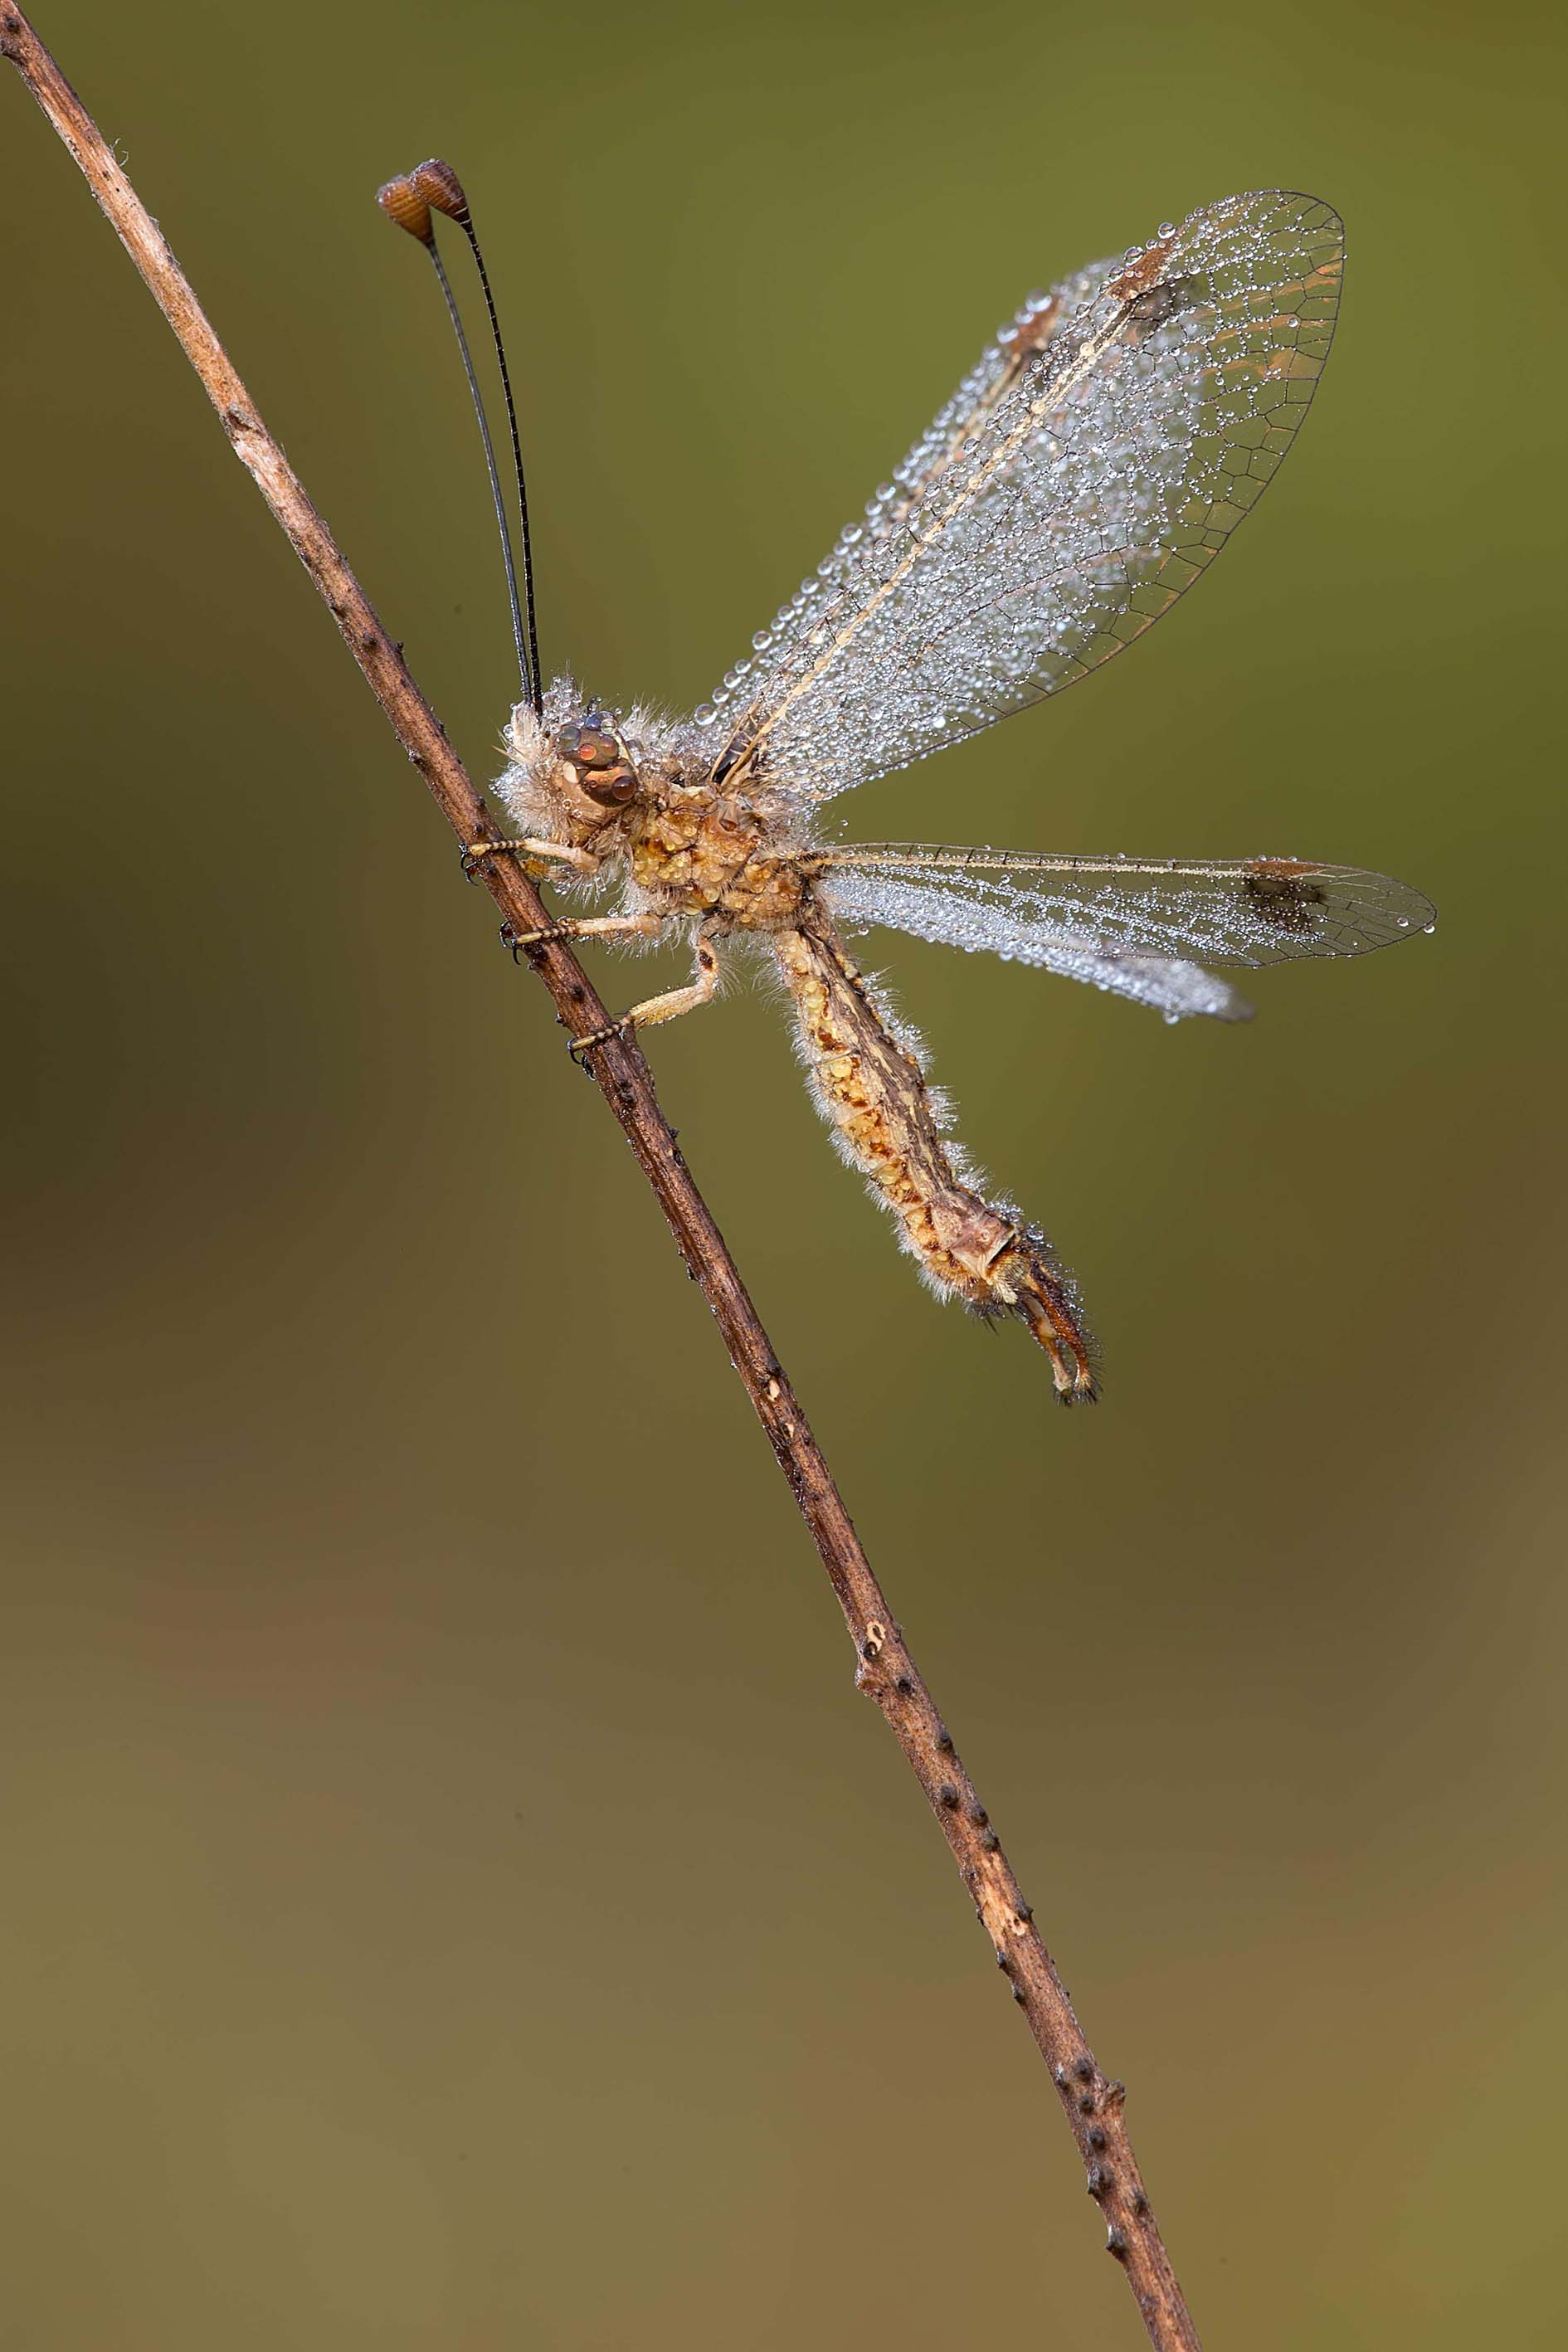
[[1123, 482]]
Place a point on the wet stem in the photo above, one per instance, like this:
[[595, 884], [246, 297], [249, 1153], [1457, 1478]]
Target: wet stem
[[1092, 2104]]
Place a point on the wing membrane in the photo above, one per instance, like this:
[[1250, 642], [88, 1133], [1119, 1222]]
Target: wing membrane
[[1134, 925], [1085, 473]]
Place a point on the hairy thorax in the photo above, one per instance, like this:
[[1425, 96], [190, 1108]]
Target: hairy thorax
[[634, 793]]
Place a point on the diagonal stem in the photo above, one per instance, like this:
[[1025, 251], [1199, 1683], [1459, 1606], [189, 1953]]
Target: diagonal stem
[[885, 1671]]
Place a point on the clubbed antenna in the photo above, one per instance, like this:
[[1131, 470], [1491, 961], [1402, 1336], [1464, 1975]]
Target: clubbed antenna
[[408, 201]]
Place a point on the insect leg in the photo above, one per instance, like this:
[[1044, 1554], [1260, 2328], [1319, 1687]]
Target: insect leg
[[654, 1008], [547, 853], [592, 926]]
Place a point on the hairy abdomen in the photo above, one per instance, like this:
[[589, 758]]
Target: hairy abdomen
[[873, 1091]]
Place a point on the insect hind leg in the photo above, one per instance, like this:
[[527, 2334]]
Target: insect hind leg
[[702, 989]]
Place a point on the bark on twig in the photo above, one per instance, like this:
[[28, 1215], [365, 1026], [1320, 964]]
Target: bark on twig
[[885, 1671]]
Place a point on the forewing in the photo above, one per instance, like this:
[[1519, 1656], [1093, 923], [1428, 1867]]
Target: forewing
[[1136, 926], [1084, 475]]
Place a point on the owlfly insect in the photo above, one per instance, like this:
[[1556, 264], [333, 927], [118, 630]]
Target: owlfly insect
[[1086, 472]]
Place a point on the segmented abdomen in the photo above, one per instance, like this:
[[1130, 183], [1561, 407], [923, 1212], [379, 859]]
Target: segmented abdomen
[[872, 1089]]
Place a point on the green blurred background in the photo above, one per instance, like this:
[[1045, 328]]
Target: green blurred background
[[454, 1896]]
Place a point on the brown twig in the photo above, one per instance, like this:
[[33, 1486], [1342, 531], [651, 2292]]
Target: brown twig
[[1093, 2105]]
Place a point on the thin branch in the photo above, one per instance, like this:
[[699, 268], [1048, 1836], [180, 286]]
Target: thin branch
[[885, 1671]]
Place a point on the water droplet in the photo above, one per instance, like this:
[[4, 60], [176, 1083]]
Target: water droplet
[[1404, 922], [1167, 228], [1430, 929], [1007, 335], [762, 640], [704, 714]]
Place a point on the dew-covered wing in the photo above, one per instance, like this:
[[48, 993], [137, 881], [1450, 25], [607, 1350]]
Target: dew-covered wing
[[1136, 926], [1084, 474]]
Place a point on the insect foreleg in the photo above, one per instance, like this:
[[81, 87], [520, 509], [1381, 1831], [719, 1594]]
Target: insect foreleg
[[667, 1007]]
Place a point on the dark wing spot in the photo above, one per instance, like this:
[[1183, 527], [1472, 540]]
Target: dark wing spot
[[1166, 300], [1135, 281], [1278, 890]]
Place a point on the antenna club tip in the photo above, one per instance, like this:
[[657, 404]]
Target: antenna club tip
[[442, 190], [402, 202]]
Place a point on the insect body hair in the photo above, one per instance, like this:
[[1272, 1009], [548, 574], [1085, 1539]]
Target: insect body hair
[[535, 786], [868, 1078]]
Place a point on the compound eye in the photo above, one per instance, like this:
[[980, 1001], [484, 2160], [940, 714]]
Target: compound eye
[[612, 786], [588, 746]]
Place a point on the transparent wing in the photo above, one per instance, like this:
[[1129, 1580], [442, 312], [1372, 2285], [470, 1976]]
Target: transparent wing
[[1132, 925], [1084, 474]]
